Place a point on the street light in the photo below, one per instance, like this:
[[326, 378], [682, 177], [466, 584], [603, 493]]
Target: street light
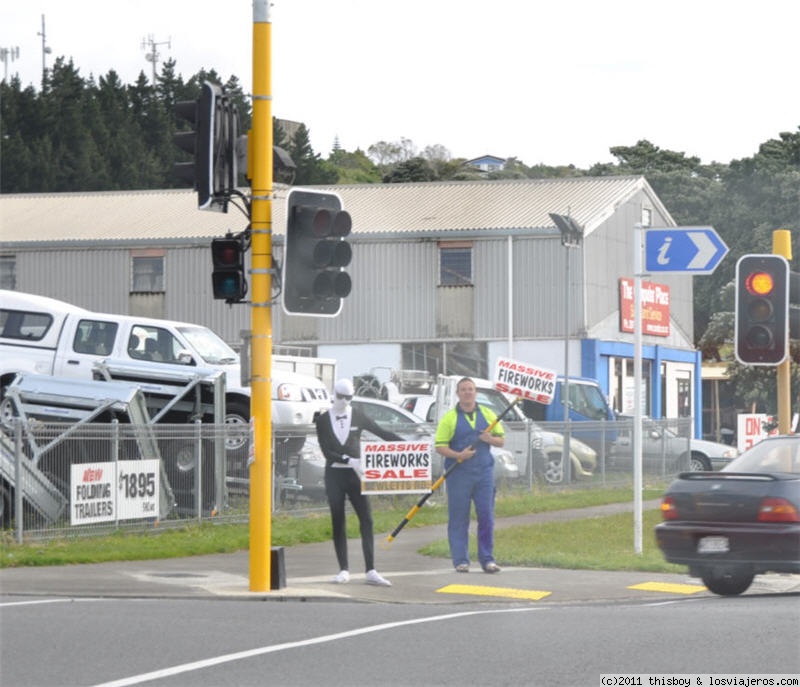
[[571, 237]]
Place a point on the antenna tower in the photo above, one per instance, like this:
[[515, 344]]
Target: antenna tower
[[153, 55]]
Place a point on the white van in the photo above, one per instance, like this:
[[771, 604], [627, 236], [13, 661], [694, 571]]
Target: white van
[[51, 337]]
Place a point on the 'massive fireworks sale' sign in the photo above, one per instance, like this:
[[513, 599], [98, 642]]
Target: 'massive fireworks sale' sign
[[396, 467], [524, 380]]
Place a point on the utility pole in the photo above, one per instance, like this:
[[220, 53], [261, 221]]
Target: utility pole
[[782, 245], [261, 302]]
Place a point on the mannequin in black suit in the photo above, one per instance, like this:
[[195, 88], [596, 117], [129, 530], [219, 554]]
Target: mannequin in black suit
[[339, 434]]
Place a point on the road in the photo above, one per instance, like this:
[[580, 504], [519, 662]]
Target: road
[[204, 643]]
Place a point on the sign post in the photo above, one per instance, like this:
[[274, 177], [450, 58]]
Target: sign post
[[677, 250]]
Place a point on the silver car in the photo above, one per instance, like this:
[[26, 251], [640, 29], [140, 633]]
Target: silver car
[[659, 444]]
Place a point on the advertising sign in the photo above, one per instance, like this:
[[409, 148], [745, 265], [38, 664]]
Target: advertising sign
[[655, 307], [396, 467], [104, 492], [521, 379], [750, 429]]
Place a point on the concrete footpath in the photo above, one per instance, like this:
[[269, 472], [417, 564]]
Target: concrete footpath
[[415, 578]]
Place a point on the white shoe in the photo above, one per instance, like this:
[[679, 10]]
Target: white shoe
[[342, 578], [377, 580]]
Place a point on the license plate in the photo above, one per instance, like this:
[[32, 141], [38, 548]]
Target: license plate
[[713, 545]]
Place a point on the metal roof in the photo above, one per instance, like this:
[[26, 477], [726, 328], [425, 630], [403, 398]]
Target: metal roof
[[432, 209]]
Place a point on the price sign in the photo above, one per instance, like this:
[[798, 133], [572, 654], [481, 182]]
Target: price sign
[[137, 489]]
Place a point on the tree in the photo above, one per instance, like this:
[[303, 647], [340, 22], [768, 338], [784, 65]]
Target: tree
[[415, 169], [311, 169], [354, 168]]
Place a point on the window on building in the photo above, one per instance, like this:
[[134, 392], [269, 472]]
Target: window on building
[[8, 272], [147, 274], [464, 358], [455, 264], [647, 217]]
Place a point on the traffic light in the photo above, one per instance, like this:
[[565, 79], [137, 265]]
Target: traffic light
[[314, 280], [227, 256], [212, 142], [762, 309]]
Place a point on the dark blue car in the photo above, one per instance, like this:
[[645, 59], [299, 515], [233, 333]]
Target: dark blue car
[[732, 525]]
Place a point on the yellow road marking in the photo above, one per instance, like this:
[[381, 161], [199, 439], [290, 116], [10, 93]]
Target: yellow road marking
[[506, 592], [668, 587]]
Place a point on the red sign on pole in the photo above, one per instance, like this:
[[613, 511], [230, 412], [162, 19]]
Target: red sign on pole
[[655, 307]]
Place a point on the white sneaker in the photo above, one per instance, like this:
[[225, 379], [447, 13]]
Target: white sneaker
[[377, 580], [342, 578]]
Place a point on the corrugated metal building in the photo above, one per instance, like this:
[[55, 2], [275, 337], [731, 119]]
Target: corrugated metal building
[[147, 253]]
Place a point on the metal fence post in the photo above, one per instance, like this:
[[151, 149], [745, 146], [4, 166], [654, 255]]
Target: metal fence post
[[19, 513], [198, 476], [115, 459]]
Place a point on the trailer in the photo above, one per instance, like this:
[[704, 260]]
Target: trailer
[[42, 413]]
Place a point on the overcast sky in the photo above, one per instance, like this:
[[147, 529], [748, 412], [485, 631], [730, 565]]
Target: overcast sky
[[546, 81]]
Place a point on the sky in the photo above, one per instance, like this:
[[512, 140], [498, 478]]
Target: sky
[[552, 82]]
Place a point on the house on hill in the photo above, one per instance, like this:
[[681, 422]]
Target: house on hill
[[447, 276], [487, 163]]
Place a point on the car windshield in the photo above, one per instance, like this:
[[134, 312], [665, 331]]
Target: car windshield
[[389, 418], [209, 346], [491, 398], [770, 455]]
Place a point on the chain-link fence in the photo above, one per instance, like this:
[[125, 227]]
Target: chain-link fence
[[92, 478]]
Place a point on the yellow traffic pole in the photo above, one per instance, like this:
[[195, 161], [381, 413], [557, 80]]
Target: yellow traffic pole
[[782, 245], [260, 149]]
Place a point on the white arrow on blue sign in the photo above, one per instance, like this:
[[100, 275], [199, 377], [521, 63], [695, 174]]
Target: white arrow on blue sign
[[697, 250]]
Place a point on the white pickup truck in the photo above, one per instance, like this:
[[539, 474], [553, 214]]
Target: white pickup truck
[[50, 337]]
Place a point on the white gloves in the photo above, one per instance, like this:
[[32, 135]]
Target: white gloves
[[355, 463]]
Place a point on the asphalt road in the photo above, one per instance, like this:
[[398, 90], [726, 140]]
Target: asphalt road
[[113, 642], [188, 622]]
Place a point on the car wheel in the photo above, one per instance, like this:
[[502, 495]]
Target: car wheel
[[699, 463], [6, 507], [553, 470], [237, 428], [727, 582], [7, 413]]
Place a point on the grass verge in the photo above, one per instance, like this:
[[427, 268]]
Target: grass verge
[[591, 543]]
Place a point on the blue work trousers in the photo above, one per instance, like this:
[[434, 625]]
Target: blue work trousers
[[465, 486]]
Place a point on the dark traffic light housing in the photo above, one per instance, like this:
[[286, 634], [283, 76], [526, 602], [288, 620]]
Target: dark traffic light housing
[[762, 309], [228, 277], [212, 142], [314, 280]]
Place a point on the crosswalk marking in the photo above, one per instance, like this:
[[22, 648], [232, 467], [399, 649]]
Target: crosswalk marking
[[506, 592], [669, 587]]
